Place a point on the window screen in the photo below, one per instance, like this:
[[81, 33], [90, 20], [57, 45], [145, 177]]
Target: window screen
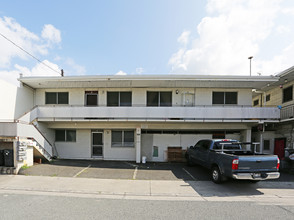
[[119, 98], [159, 98], [218, 98], [125, 98], [56, 97], [122, 139], [152, 98], [112, 98], [51, 98], [288, 94], [228, 98]]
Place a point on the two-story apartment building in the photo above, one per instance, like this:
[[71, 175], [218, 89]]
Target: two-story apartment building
[[276, 137], [127, 117]]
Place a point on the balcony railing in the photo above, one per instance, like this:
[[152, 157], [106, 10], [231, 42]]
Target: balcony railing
[[287, 112], [51, 113]]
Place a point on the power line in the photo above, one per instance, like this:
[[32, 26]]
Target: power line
[[29, 54]]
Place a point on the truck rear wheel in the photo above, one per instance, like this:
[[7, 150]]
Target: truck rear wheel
[[216, 175]]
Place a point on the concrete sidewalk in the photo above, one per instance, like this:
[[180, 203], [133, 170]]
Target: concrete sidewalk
[[265, 192]]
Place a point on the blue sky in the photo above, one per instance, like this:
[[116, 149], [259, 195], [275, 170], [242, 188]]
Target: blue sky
[[146, 37]]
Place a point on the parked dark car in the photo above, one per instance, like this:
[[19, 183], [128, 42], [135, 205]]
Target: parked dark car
[[227, 159]]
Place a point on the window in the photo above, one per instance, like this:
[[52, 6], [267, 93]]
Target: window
[[122, 138], [159, 98], [56, 97], [228, 98], [91, 98], [65, 135], [266, 144], [119, 98], [288, 94], [268, 98], [256, 102]]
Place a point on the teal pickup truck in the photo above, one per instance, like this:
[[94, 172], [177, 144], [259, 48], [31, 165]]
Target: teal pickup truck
[[227, 159]]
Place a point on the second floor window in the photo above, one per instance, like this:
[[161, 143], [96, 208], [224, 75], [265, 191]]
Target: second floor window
[[159, 98], [56, 97], [256, 102], [224, 98], [288, 94], [119, 98]]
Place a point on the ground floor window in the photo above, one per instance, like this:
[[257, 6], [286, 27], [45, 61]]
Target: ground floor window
[[65, 135], [121, 138]]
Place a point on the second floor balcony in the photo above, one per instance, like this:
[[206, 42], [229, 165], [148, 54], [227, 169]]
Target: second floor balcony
[[195, 113]]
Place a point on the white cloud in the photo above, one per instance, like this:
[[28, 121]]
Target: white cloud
[[121, 73], [51, 34], [72, 68], [30, 42], [139, 70], [283, 29], [38, 70], [230, 33], [184, 38], [25, 39]]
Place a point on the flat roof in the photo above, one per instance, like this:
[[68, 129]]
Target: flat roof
[[149, 81]]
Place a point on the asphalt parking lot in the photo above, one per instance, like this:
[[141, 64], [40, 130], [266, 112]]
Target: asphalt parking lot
[[125, 170]]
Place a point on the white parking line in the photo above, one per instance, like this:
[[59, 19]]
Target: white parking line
[[82, 171], [135, 173], [189, 174]]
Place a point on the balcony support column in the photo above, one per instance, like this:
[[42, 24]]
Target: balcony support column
[[246, 134], [138, 145]]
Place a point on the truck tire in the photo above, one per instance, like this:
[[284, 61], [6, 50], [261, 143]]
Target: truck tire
[[216, 175]]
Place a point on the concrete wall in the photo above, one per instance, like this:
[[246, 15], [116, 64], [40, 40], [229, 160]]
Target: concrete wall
[[117, 153], [81, 149], [202, 96], [15, 101]]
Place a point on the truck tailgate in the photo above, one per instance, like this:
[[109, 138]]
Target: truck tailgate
[[257, 163]]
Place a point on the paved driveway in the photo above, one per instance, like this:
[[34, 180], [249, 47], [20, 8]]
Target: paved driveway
[[124, 170]]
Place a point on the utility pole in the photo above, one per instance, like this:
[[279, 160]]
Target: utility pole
[[250, 58]]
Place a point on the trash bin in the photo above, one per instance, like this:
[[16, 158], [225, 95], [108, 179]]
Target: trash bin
[[8, 158], [1, 158]]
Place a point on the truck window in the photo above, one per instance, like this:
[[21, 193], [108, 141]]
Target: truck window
[[218, 146]]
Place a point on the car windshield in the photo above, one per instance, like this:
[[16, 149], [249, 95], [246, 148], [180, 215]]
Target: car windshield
[[227, 146]]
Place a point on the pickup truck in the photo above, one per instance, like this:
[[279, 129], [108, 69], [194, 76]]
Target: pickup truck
[[227, 159]]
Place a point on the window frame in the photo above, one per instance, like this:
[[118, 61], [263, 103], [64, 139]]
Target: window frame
[[123, 141], [224, 93], [289, 99], [66, 135], [256, 102], [158, 99], [268, 97], [57, 99], [119, 103]]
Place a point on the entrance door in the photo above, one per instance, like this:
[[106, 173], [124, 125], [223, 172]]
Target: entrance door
[[280, 147], [97, 144], [91, 98]]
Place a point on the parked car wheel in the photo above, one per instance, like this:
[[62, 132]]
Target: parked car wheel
[[216, 175]]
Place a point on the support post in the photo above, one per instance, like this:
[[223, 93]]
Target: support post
[[138, 145]]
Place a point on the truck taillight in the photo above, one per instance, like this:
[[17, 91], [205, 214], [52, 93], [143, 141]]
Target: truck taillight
[[278, 164], [235, 164]]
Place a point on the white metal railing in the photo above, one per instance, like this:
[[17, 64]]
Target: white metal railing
[[193, 113], [287, 112]]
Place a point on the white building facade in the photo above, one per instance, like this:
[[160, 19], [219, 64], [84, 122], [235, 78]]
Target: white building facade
[[128, 117]]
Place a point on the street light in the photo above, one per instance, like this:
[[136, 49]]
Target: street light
[[250, 63]]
